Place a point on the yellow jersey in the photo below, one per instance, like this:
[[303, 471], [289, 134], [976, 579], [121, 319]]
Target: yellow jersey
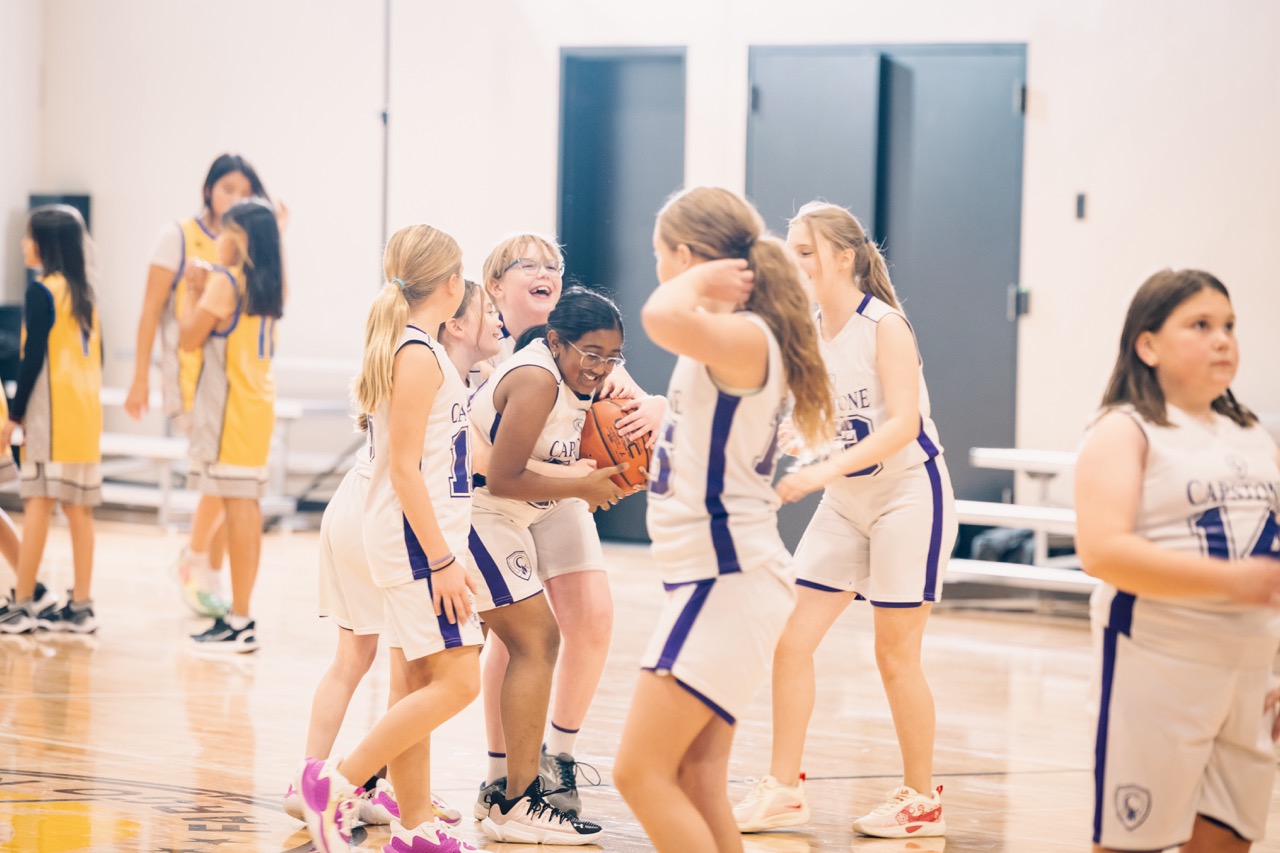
[[234, 412], [180, 368], [63, 418]]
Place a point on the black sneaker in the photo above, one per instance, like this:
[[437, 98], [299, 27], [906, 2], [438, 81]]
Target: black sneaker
[[560, 781], [529, 818], [49, 616], [16, 618], [74, 618], [223, 639]]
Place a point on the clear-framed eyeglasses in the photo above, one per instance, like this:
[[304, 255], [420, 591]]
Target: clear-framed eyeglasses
[[533, 268], [591, 361]]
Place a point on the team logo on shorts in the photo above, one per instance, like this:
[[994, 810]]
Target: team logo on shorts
[[520, 565], [1133, 804]]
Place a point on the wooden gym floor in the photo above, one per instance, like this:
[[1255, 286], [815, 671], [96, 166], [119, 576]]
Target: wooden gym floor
[[128, 742]]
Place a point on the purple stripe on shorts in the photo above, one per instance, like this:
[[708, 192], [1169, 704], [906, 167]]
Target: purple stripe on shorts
[[418, 561], [1120, 623], [895, 604], [720, 712], [721, 538], [817, 586], [498, 589], [935, 532], [684, 623], [450, 632]]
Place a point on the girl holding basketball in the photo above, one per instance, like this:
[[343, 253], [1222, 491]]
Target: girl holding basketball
[[523, 275], [884, 529], [1177, 495], [416, 517], [529, 529], [732, 306]]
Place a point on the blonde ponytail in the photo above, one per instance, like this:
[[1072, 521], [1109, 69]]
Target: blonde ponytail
[[419, 259], [843, 231], [715, 223], [382, 331], [780, 300]]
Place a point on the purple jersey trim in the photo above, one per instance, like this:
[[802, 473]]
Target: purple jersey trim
[[721, 537]]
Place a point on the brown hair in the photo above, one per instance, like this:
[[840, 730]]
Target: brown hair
[[843, 231], [1133, 382], [715, 223], [418, 260]]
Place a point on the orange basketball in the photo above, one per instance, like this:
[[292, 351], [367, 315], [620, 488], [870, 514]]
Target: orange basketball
[[602, 442]]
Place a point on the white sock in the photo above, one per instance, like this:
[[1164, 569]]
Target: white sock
[[237, 622], [560, 740], [210, 579], [497, 767]]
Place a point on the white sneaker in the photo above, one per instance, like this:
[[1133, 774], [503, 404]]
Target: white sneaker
[[432, 837], [529, 818], [328, 803], [906, 814], [772, 806]]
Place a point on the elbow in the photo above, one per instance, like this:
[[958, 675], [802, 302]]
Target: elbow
[[502, 486]]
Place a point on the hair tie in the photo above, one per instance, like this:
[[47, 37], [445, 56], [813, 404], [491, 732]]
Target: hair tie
[[399, 282]]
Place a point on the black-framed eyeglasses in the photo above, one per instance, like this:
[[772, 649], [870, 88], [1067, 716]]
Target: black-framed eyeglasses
[[591, 361], [532, 267]]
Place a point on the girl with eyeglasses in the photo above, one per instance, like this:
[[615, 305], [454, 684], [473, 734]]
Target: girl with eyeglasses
[[523, 276], [532, 526]]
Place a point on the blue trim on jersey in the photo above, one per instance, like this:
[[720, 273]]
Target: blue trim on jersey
[[236, 322], [498, 589], [935, 531], [821, 587], [684, 624], [1120, 622], [866, 300], [721, 538], [182, 262], [207, 232]]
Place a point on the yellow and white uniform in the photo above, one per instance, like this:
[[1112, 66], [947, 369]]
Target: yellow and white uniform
[[61, 410], [234, 412], [176, 248]]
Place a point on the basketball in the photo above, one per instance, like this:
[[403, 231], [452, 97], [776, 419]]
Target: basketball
[[602, 442]]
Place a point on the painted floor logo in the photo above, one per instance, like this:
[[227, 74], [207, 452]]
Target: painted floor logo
[[63, 812]]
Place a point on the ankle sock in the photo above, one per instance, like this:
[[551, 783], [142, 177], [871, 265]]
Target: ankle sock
[[497, 767], [560, 740]]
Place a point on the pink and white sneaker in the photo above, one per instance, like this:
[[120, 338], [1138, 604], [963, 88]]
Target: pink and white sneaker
[[378, 807], [431, 837], [906, 814], [328, 804], [292, 803]]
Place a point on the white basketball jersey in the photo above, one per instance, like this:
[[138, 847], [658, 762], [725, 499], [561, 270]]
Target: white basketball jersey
[[712, 508], [394, 553], [850, 357], [559, 440], [1213, 490]]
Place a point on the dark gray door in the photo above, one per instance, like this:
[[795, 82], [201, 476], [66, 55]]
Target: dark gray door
[[951, 165], [942, 142], [621, 155], [812, 132], [815, 112]]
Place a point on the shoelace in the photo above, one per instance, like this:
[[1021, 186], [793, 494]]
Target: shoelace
[[897, 797], [571, 770], [346, 813], [755, 795], [538, 806]]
